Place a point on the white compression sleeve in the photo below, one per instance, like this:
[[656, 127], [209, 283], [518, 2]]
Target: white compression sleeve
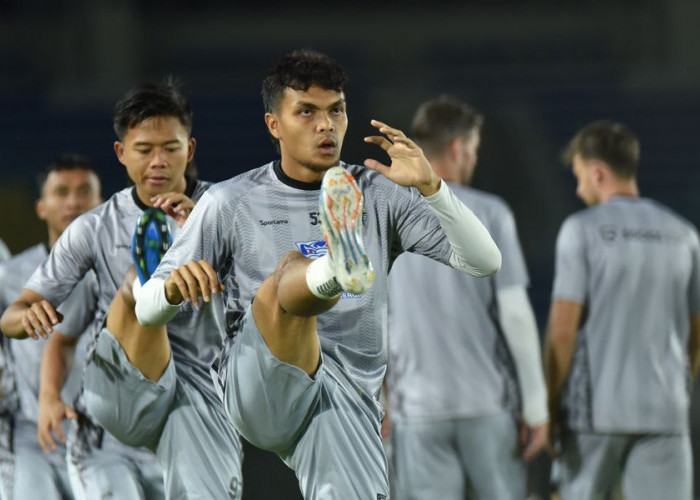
[[152, 308], [520, 329], [473, 249]]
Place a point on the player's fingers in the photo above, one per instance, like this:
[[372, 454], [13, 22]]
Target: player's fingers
[[176, 277], [387, 129], [70, 413], [39, 320], [214, 284], [192, 285], [202, 279], [50, 311], [29, 328], [380, 141], [58, 429], [524, 435], [40, 437], [49, 442], [379, 167]]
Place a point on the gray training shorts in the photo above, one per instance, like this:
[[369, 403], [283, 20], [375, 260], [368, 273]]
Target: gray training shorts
[[650, 466], [196, 445], [320, 426]]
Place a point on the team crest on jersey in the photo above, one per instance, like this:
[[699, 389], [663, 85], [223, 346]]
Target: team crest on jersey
[[312, 249]]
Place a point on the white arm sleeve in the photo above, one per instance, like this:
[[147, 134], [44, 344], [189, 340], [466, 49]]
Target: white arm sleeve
[[473, 249], [152, 308], [520, 329]]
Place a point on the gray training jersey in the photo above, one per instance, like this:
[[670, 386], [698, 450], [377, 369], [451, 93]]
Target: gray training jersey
[[101, 240], [21, 381], [447, 355], [635, 266], [243, 227]]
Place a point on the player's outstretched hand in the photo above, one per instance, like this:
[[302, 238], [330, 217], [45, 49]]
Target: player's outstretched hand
[[39, 319], [176, 205], [192, 280], [533, 439], [52, 412], [409, 166]]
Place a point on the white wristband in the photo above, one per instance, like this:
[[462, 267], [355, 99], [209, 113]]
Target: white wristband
[[152, 307]]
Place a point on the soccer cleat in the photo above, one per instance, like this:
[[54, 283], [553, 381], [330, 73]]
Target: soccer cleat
[[341, 217], [150, 242]]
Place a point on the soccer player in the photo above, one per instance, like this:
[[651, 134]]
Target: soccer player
[[466, 389], [624, 330], [173, 410], [302, 385], [67, 187]]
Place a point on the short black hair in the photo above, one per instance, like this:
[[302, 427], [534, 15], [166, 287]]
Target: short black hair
[[438, 121], [148, 100], [63, 161], [607, 141], [299, 70]]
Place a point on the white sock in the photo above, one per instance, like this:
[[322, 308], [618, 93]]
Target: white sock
[[320, 279]]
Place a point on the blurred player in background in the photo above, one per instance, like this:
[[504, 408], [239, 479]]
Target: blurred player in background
[[153, 123], [466, 390], [624, 330], [67, 187], [302, 385]]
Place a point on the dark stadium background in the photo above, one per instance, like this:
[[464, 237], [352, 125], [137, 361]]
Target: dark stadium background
[[538, 70]]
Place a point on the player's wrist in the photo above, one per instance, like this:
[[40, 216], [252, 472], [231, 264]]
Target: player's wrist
[[431, 187]]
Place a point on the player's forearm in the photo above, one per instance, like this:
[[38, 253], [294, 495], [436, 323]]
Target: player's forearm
[[55, 364], [559, 353], [520, 330], [11, 321], [473, 249], [152, 306]]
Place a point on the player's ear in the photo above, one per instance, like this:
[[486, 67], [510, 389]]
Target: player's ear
[[191, 146], [272, 123], [119, 151], [40, 208], [455, 149]]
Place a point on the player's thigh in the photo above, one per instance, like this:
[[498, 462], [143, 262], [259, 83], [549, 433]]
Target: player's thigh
[[426, 461], [34, 475], [267, 400], [128, 405], [590, 465], [340, 455], [102, 474], [199, 448], [490, 456], [659, 466]]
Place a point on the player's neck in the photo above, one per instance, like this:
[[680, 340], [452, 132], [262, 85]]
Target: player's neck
[[302, 173], [53, 237], [445, 170], [625, 189]]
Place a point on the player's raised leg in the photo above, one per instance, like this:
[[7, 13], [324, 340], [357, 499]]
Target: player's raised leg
[[147, 347]]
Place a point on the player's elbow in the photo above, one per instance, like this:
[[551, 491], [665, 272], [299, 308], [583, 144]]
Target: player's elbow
[[488, 263]]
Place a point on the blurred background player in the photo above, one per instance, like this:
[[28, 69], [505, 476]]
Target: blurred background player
[[624, 330], [467, 399], [67, 188], [306, 387], [131, 385]]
